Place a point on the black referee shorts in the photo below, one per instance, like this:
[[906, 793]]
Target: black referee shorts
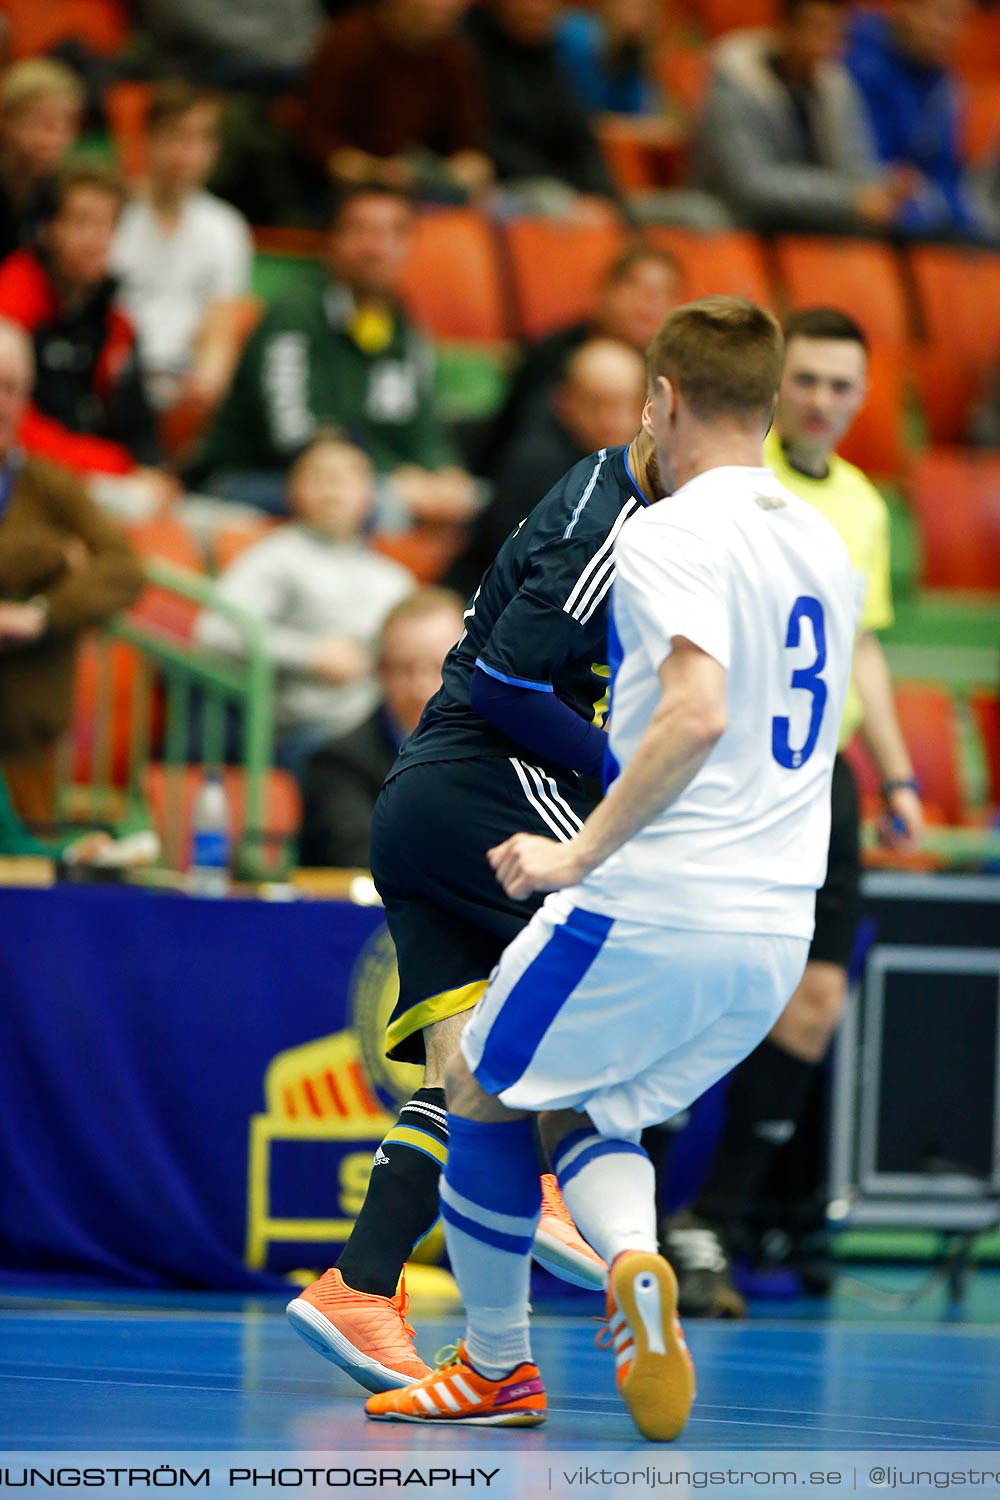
[[837, 900], [448, 915]]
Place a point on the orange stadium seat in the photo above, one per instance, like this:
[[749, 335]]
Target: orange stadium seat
[[955, 495], [927, 719], [683, 73], [39, 25], [978, 53], [557, 270], [859, 276], [718, 16], [875, 440], [126, 106], [282, 806], [229, 542], [166, 540], [732, 262], [980, 118], [958, 296], [453, 283], [986, 711]]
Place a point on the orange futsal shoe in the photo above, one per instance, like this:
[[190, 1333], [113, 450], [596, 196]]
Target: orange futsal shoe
[[365, 1335], [561, 1248], [654, 1370], [459, 1396]]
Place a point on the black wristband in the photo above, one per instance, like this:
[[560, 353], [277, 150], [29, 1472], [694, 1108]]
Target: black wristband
[[902, 784]]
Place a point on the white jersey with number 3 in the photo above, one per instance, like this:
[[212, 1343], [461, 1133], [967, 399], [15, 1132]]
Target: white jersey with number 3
[[760, 581]]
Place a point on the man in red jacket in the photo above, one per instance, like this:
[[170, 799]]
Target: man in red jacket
[[89, 411]]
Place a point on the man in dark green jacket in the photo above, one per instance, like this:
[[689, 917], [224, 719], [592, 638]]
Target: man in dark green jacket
[[342, 354]]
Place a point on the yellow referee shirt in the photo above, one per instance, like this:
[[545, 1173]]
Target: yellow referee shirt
[[852, 504]]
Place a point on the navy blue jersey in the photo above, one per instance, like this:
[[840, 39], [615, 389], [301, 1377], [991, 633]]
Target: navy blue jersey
[[539, 617]]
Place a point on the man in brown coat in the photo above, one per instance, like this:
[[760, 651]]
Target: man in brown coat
[[64, 567]]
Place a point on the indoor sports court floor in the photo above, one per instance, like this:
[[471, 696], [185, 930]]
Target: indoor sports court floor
[[132, 1370]]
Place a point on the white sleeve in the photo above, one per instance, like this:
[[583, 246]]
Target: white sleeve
[[235, 261], [671, 582]]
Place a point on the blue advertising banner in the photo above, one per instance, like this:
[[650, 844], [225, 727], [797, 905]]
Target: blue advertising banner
[[191, 1092]]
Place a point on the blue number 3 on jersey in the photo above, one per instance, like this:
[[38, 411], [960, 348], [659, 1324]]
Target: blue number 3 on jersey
[[806, 678]]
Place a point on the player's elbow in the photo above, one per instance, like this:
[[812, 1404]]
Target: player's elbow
[[707, 723]]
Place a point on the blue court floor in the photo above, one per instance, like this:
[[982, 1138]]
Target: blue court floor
[[133, 1370]]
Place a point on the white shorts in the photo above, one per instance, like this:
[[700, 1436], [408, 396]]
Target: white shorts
[[627, 1021]]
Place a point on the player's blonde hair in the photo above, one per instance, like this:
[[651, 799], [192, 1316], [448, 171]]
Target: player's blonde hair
[[724, 356]]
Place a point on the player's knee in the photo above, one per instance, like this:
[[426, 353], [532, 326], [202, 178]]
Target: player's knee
[[813, 1014]]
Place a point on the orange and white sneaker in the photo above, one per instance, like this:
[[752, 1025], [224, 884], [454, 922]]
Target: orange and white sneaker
[[653, 1366], [365, 1335], [457, 1395], [561, 1248]]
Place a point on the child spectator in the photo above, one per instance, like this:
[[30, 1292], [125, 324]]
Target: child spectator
[[90, 412], [395, 94], [321, 595], [183, 256], [63, 569], [344, 778], [342, 354], [40, 107]]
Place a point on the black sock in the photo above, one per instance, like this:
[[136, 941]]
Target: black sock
[[401, 1204], [766, 1098]]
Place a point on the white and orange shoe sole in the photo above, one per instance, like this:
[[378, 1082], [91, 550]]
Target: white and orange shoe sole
[[659, 1384], [326, 1338]]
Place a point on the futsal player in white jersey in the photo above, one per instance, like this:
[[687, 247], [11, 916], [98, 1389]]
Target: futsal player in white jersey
[[684, 907]]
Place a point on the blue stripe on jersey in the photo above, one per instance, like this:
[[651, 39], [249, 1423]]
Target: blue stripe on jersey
[[588, 491], [611, 770], [521, 682], [635, 482], [537, 998]]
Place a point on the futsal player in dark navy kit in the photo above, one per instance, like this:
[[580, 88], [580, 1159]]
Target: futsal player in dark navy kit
[[509, 744]]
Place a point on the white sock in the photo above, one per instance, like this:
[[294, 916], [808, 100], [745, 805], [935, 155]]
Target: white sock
[[610, 1189]]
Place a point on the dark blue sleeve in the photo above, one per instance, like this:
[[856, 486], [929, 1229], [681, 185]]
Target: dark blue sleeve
[[538, 720]]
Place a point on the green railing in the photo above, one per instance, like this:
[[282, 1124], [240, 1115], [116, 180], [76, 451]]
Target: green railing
[[169, 670]]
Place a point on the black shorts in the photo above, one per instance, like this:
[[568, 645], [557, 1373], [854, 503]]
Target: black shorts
[[837, 899], [448, 915], [446, 909]]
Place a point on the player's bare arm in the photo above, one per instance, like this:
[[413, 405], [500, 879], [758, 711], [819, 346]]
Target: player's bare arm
[[884, 741], [689, 720]]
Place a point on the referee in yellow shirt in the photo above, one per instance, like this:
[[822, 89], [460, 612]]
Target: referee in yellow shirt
[[823, 388]]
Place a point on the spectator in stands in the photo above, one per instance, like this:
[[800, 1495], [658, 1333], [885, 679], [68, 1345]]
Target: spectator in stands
[[783, 139], [321, 594], [40, 107], [541, 140], [600, 396], [258, 44], [63, 568], [395, 95], [183, 257], [900, 64], [607, 53], [822, 389], [90, 412], [344, 353], [344, 778], [640, 288]]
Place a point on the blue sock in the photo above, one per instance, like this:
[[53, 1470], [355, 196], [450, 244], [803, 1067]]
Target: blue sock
[[610, 1189], [491, 1197]]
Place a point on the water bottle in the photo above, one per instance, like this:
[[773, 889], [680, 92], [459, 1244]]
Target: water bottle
[[210, 838]]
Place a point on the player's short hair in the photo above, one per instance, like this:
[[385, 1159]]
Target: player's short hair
[[428, 600], [39, 78], [824, 323], [637, 255], [174, 98], [85, 174], [724, 355], [351, 192]]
